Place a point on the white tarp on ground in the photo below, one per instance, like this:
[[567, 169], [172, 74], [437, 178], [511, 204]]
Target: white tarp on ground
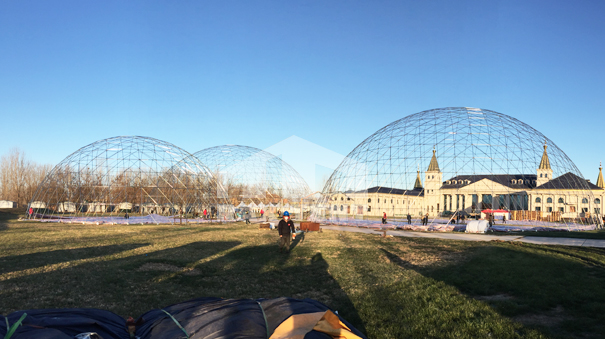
[[7, 204], [477, 226]]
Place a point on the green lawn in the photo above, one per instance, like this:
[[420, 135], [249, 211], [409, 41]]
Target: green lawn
[[387, 287]]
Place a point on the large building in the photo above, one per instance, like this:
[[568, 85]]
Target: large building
[[527, 196]]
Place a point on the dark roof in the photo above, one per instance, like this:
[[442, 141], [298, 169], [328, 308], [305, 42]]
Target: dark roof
[[568, 181], [389, 190], [503, 179]]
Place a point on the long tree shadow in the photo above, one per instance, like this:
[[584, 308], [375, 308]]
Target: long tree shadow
[[128, 285], [39, 259], [555, 290]]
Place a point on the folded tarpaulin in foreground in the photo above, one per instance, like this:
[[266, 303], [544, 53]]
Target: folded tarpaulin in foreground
[[198, 318]]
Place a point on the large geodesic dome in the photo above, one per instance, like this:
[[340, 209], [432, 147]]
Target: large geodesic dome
[[447, 164], [129, 179], [255, 178]]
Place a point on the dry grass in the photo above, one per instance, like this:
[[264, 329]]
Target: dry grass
[[387, 287]]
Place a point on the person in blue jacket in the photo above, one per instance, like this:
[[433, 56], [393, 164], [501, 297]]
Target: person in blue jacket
[[286, 230]]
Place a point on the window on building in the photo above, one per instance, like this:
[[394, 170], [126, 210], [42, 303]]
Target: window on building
[[546, 175], [584, 201], [437, 207], [391, 201], [341, 208], [549, 209], [335, 208], [369, 200], [538, 208], [514, 181], [562, 209], [540, 175], [597, 201], [342, 198], [584, 209], [520, 182], [549, 200], [561, 201], [348, 198], [538, 199], [572, 208], [597, 210], [385, 201], [369, 208]]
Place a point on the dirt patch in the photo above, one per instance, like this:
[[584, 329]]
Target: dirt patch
[[548, 319], [152, 266]]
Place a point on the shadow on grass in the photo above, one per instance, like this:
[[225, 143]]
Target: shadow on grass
[[555, 290], [133, 285], [32, 260], [126, 286]]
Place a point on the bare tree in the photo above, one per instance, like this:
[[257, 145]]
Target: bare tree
[[20, 177]]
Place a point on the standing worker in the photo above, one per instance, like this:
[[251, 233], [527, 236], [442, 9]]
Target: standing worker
[[384, 217], [285, 229], [261, 213], [247, 217], [409, 219]]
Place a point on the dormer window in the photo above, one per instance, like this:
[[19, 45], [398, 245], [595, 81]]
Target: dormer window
[[561, 201], [535, 182], [468, 181], [448, 182], [540, 175], [514, 181], [454, 182], [546, 175], [520, 182]]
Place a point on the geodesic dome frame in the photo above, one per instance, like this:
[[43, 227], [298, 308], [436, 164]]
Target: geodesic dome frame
[[460, 161], [142, 176], [251, 175]]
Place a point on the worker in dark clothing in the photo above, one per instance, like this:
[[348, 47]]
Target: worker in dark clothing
[[409, 219], [286, 230]]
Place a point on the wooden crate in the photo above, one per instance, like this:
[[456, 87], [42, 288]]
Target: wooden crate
[[264, 225], [309, 226]]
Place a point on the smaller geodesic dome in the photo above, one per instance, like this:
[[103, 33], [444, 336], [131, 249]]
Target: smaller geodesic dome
[[251, 175], [150, 179], [441, 166]]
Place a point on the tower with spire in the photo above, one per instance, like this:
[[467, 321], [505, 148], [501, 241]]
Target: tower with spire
[[433, 178], [600, 182], [544, 172]]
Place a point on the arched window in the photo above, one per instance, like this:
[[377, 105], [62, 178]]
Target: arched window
[[549, 200], [369, 200], [584, 201], [538, 199], [597, 201], [561, 201], [432, 208], [520, 182], [335, 208], [540, 175], [514, 181], [341, 208], [546, 175], [342, 198]]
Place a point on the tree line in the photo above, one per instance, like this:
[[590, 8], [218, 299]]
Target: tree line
[[20, 176]]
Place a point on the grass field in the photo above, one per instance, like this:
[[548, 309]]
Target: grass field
[[387, 287]]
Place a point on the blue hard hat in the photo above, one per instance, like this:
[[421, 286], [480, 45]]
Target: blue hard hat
[[286, 213]]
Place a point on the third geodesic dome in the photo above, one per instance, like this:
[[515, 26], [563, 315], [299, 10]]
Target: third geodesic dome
[[461, 161]]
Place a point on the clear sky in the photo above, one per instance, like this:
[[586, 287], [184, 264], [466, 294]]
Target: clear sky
[[206, 73]]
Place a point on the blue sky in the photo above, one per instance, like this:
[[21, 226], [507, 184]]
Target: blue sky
[[206, 73]]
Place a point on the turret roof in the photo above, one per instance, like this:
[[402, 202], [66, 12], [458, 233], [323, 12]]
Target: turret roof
[[433, 165], [418, 183], [544, 163]]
